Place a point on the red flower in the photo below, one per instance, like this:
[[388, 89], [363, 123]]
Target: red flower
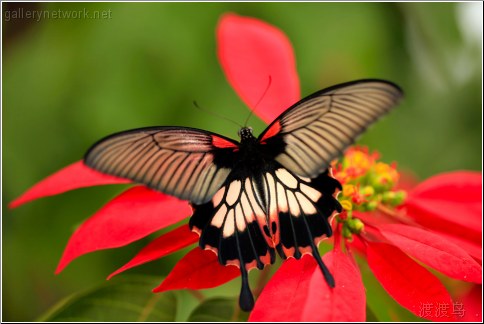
[[388, 238], [439, 224]]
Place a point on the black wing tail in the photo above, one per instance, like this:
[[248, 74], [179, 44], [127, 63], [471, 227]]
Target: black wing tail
[[303, 227]]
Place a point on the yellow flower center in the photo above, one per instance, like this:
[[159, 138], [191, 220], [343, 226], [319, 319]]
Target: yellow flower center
[[367, 184]]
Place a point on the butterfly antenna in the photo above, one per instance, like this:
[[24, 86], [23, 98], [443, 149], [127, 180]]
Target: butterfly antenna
[[216, 114], [259, 101]]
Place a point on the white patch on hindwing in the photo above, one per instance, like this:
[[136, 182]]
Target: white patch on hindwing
[[305, 204], [233, 193], [229, 225], [219, 217], [239, 218], [217, 198], [286, 178], [293, 204], [312, 193], [281, 198]]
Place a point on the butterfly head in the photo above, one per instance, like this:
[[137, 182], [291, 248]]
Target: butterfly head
[[245, 133]]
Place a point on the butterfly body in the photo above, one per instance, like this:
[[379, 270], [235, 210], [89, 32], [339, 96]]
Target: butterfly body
[[253, 199]]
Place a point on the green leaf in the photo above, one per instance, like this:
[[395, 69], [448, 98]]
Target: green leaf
[[370, 315], [127, 299], [218, 310]]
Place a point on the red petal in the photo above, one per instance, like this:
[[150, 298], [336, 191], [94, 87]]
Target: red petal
[[162, 246], [74, 176], [435, 251], [357, 245], [285, 294], [375, 217], [411, 285], [134, 214], [450, 202], [301, 288], [471, 305], [465, 186], [253, 52], [198, 269], [474, 249], [345, 303]]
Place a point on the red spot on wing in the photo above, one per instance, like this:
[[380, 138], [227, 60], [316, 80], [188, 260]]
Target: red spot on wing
[[219, 142], [272, 131]]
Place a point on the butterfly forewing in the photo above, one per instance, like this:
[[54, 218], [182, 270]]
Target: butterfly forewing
[[317, 129], [186, 163]]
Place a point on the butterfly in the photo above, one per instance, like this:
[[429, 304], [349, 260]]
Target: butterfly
[[260, 196]]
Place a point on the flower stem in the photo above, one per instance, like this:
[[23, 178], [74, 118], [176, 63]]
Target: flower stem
[[236, 313], [197, 294], [263, 279], [352, 256]]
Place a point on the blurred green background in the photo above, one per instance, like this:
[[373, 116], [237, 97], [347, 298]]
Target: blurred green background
[[69, 82]]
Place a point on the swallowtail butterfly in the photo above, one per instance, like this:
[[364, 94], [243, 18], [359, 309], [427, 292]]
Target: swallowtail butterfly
[[260, 196]]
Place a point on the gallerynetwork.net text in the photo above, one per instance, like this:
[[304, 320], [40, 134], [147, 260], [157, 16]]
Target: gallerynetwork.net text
[[38, 15]]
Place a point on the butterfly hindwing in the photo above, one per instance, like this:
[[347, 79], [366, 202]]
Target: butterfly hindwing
[[305, 210], [229, 226], [249, 218], [184, 162]]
